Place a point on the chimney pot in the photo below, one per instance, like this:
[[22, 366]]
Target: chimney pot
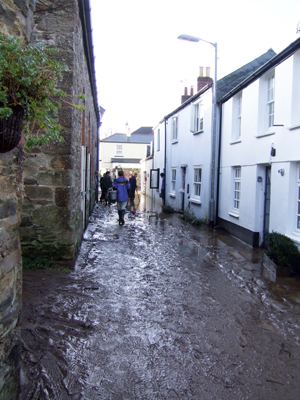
[[207, 71], [201, 71], [185, 91], [192, 90]]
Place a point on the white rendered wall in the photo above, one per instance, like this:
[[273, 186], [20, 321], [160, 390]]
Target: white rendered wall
[[190, 150], [252, 153]]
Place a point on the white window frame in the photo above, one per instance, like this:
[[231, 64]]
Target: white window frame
[[174, 127], [197, 118], [237, 173], [197, 184], [266, 104], [295, 108], [239, 116], [271, 100], [119, 150], [173, 180], [237, 103]]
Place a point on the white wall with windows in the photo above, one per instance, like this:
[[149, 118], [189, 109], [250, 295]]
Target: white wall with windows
[[188, 157], [263, 116]]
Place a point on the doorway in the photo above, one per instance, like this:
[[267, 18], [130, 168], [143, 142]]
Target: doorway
[[267, 202], [183, 174]]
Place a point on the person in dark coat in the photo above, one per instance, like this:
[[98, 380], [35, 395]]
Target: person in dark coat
[[106, 184], [133, 186], [122, 185]]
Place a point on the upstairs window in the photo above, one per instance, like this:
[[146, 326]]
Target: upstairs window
[[295, 106], [119, 150], [174, 129], [158, 140], [271, 100], [237, 117], [197, 118]]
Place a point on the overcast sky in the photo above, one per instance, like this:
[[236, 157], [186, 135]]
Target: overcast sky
[[141, 66]]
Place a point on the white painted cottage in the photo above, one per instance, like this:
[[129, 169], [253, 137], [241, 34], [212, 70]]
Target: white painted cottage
[[259, 175], [183, 145]]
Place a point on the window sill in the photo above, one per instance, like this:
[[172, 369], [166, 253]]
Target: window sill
[[174, 141], [268, 133], [234, 214], [296, 126], [172, 195], [236, 141], [197, 133], [295, 236], [118, 156], [193, 200]]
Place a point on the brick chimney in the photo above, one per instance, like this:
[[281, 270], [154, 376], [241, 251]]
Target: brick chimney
[[185, 97], [203, 80]]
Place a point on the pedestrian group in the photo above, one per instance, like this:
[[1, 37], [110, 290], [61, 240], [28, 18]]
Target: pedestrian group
[[125, 190]]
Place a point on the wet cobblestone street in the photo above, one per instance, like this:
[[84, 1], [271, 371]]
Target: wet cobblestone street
[[157, 309]]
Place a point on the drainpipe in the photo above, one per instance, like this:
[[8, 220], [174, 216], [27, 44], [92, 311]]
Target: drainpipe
[[219, 162], [165, 162]]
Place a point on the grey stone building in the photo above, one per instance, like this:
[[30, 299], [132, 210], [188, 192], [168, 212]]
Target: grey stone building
[[59, 180], [46, 195]]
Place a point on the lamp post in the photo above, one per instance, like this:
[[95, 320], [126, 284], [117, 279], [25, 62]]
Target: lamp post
[[212, 200]]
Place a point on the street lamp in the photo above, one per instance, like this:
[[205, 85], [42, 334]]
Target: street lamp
[[212, 200]]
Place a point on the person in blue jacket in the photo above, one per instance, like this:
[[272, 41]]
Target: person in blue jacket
[[122, 185]]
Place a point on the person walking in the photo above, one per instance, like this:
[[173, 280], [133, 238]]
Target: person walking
[[133, 187], [106, 184], [122, 185]]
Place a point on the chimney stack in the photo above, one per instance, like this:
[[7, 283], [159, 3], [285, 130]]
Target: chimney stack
[[202, 81], [128, 133], [185, 96]]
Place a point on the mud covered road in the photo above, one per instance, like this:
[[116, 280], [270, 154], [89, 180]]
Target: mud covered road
[[157, 309]]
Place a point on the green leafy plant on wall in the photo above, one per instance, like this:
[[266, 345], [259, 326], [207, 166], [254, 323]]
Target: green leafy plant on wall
[[29, 80]]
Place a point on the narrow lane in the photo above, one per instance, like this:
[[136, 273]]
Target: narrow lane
[[157, 309]]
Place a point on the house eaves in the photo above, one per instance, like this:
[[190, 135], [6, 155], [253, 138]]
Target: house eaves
[[273, 62], [133, 139], [85, 17], [121, 160], [230, 81], [187, 102]]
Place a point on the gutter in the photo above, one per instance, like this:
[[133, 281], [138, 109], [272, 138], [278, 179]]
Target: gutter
[[85, 17], [187, 102]]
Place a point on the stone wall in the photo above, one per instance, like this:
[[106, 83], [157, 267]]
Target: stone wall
[[15, 19], [52, 215]]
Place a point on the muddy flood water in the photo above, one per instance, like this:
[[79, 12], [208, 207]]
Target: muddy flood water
[[160, 309]]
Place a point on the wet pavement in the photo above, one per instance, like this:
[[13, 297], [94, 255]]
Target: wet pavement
[[160, 309]]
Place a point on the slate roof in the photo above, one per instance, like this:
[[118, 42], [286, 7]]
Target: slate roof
[[271, 63], [143, 130], [140, 138], [232, 80]]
